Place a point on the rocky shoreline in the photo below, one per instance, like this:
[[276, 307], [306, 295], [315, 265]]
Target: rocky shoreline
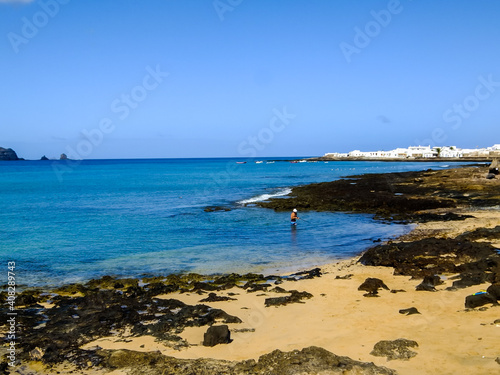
[[444, 274], [409, 196]]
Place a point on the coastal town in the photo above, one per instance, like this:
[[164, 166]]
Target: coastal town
[[420, 152]]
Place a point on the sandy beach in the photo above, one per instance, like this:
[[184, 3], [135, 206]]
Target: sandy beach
[[443, 336], [451, 339]]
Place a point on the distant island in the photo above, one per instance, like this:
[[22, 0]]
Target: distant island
[[8, 154]]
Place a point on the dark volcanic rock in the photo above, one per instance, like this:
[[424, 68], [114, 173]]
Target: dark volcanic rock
[[492, 234], [252, 287], [431, 256], [477, 300], [75, 321], [345, 277], [396, 195], [372, 285], [212, 297], [311, 360], [397, 349], [44, 158], [8, 154], [216, 208], [470, 279], [217, 335], [494, 290], [310, 274], [429, 283], [410, 311], [448, 216], [294, 297]]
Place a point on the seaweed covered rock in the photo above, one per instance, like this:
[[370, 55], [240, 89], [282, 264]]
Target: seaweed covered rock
[[294, 297], [429, 283], [432, 256], [372, 285], [213, 297], [396, 349], [400, 196], [311, 360], [76, 321]]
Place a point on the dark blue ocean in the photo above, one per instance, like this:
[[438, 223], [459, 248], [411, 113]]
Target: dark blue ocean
[[64, 223]]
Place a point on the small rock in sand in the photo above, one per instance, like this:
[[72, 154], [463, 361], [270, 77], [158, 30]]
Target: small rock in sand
[[212, 297], [372, 285], [429, 283], [397, 349], [217, 335], [410, 311], [477, 300], [494, 290]]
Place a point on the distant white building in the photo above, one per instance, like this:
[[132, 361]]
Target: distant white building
[[400, 152], [449, 152], [421, 152], [336, 155], [475, 152], [355, 154]]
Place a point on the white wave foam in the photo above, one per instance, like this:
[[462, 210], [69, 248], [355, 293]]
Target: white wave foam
[[265, 197]]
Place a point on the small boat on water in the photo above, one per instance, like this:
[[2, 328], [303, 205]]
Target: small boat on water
[[259, 162], [241, 162]]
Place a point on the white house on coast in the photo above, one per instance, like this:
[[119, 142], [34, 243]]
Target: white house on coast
[[416, 152]]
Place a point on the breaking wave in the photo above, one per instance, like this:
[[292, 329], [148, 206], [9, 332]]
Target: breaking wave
[[267, 196]]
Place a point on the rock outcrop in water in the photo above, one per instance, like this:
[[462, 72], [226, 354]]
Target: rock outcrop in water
[[8, 154], [400, 196]]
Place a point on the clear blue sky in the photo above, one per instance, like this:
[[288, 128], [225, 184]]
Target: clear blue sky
[[246, 77]]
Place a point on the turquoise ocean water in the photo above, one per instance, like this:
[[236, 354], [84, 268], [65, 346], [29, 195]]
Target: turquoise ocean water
[[131, 218]]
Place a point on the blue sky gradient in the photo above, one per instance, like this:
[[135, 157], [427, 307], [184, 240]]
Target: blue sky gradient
[[203, 78]]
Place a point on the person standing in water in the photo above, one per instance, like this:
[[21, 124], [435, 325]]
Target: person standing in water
[[294, 217]]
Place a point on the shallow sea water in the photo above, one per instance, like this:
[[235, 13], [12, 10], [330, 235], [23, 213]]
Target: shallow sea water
[[131, 218]]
